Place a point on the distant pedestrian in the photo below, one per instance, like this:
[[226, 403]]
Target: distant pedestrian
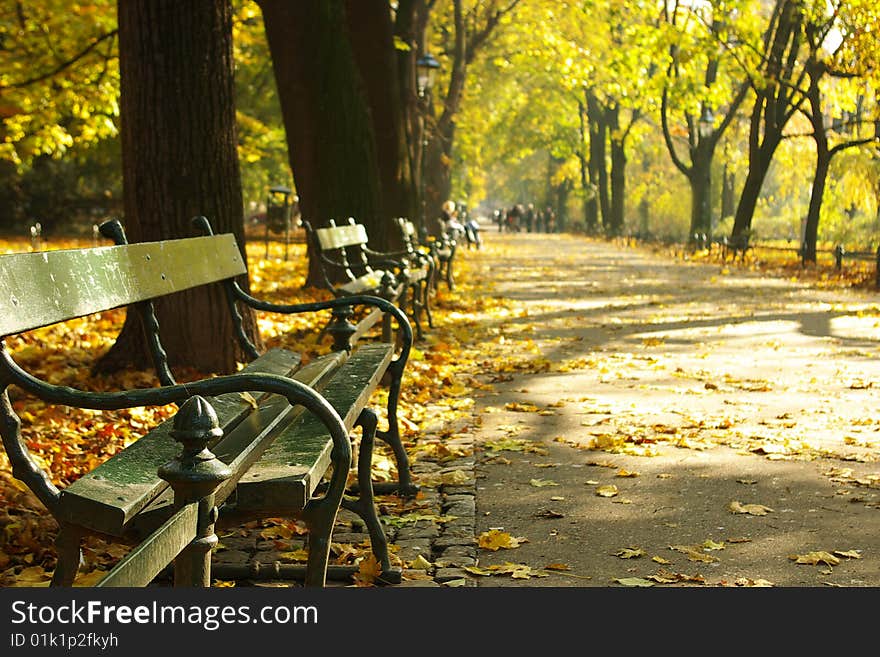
[[550, 219], [514, 218]]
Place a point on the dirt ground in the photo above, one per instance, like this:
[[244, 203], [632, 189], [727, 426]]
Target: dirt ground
[[677, 424]]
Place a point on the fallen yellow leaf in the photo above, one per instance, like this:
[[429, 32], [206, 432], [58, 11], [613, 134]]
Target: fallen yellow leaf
[[630, 553], [495, 539], [607, 491], [634, 581], [815, 558], [751, 509]]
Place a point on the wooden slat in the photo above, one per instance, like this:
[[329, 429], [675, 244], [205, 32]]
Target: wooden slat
[[246, 443], [288, 473], [337, 237], [38, 289], [144, 562], [108, 497], [363, 284]]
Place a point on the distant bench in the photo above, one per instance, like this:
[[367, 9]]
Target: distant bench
[[270, 440], [737, 244], [349, 266]]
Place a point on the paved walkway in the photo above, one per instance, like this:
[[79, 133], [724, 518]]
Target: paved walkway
[[638, 421], [647, 422]]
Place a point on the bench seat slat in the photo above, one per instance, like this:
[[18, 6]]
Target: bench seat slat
[[288, 473], [363, 284], [38, 289], [149, 558], [109, 496]]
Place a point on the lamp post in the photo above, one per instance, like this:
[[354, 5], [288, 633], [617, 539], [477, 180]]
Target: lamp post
[[426, 72], [706, 123]]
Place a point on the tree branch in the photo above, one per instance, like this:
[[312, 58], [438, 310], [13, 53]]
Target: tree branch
[[64, 65]]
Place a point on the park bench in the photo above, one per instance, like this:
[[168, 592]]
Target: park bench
[[737, 244], [270, 440], [443, 249], [349, 266], [422, 260]]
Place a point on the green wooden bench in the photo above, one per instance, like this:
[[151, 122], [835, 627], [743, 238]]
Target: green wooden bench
[[423, 259], [349, 266], [270, 440]]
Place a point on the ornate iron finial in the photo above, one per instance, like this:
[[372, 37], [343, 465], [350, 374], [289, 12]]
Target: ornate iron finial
[[195, 427]]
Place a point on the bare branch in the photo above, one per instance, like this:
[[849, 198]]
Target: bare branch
[[63, 65]]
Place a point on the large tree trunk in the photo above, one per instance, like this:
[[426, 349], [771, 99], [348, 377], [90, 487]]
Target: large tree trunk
[[700, 179], [179, 160], [728, 192], [591, 197], [438, 158], [598, 166], [371, 33], [409, 26], [775, 102], [817, 190], [759, 164], [618, 173], [330, 140]]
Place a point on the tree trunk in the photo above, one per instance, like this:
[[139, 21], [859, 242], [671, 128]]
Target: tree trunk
[[179, 160], [330, 140], [728, 192], [598, 167], [591, 199], [618, 173], [759, 164], [371, 34], [817, 190], [410, 31], [438, 159], [776, 101], [700, 179]]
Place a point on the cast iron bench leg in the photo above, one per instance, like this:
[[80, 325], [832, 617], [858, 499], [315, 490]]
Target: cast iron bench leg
[[320, 517], [364, 504], [391, 436], [426, 299], [67, 546]]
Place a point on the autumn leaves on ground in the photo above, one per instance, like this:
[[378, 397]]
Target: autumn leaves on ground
[[579, 367]]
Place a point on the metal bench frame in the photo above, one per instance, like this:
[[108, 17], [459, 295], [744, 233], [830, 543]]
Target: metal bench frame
[[228, 468]]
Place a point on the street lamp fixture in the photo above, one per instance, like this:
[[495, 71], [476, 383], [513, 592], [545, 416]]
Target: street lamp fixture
[[706, 123], [426, 68]]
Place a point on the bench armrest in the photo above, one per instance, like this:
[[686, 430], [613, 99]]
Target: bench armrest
[[405, 331], [25, 468]]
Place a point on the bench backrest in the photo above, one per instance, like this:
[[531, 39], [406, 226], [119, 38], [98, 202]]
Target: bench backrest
[[345, 248], [407, 228], [39, 289], [339, 237]]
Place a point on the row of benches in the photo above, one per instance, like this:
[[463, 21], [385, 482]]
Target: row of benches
[[271, 440], [350, 266]]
